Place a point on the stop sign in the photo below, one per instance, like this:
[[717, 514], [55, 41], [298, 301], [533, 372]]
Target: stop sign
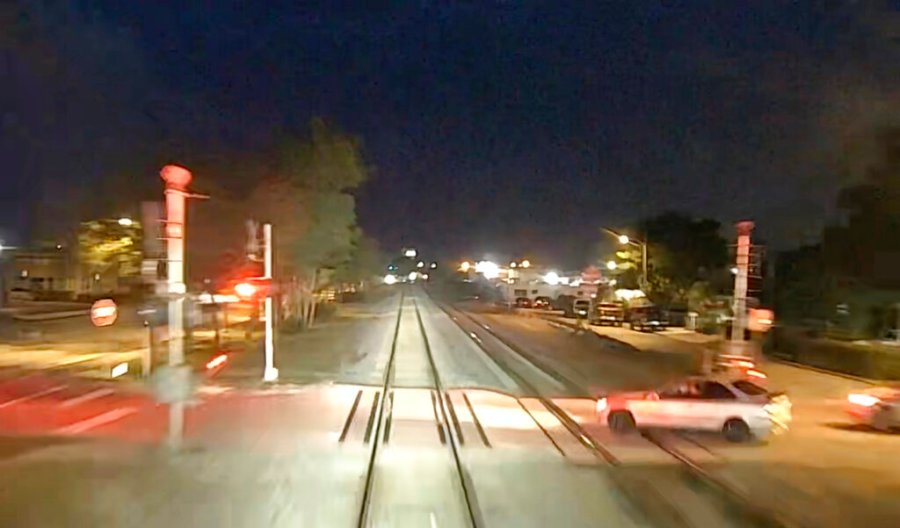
[[104, 312]]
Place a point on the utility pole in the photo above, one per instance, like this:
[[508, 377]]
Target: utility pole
[[739, 323], [643, 244], [270, 373]]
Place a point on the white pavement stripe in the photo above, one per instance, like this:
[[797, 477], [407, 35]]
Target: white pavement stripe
[[34, 396], [93, 395], [101, 419]]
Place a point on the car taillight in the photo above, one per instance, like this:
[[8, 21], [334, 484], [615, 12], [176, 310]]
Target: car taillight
[[865, 400], [602, 404]]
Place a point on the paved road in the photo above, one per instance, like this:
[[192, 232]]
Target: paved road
[[825, 472], [296, 453]]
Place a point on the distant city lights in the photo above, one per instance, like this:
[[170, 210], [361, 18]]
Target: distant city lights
[[488, 269], [125, 221]]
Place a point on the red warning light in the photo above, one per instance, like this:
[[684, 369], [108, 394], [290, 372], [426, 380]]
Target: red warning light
[[245, 290]]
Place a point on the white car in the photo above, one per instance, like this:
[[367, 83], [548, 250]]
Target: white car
[[878, 407], [738, 408]]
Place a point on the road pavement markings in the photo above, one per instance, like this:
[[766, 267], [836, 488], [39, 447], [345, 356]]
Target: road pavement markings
[[34, 396], [93, 395], [101, 419]]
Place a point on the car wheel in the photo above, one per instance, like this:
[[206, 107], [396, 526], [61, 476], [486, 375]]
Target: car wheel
[[736, 430], [621, 422], [881, 421]]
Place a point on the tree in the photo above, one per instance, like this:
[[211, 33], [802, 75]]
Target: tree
[[311, 195], [366, 261], [106, 244], [681, 251], [865, 246]]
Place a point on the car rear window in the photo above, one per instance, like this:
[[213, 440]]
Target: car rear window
[[712, 390], [750, 389]]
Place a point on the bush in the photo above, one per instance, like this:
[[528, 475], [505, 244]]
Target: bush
[[869, 360]]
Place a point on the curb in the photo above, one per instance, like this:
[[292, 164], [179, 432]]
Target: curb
[[51, 316]]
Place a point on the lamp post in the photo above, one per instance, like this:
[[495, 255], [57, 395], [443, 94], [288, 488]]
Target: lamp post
[[626, 240]]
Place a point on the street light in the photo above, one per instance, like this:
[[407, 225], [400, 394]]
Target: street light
[[512, 264], [625, 240], [552, 278], [611, 265], [526, 264], [125, 221]]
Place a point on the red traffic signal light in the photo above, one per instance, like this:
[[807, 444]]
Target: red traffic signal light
[[253, 287], [245, 290]]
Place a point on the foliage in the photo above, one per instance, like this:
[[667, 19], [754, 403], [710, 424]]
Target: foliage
[[804, 289], [105, 243], [330, 162], [366, 260], [682, 251], [312, 200], [866, 244]]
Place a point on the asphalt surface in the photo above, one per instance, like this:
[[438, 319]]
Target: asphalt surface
[[296, 453], [824, 472]]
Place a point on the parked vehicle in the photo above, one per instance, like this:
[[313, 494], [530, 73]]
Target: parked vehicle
[[523, 302], [608, 313], [20, 294], [646, 319], [566, 304], [739, 409], [542, 303], [582, 308]]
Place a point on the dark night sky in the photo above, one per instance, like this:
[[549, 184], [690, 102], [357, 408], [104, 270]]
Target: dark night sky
[[507, 126]]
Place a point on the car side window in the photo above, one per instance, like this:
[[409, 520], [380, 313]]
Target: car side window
[[679, 391], [748, 388], [713, 390]]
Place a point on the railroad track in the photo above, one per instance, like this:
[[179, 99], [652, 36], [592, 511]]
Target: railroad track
[[380, 423], [734, 499]]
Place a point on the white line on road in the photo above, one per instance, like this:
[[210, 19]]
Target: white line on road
[[101, 419], [33, 396], [93, 395]]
